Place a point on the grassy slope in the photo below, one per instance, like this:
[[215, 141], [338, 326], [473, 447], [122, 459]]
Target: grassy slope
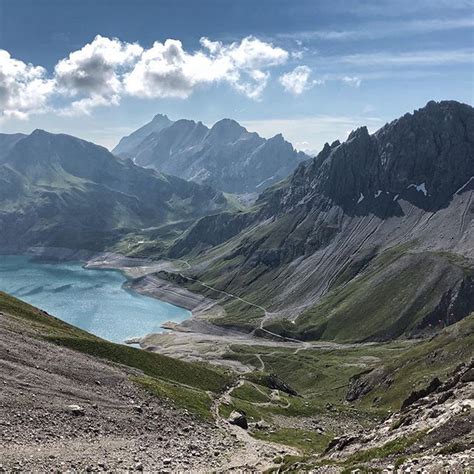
[[385, 301], [320, 376], [162, 375]]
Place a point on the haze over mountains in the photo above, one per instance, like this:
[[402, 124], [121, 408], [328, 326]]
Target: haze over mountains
[[226, 156], [60, 191]]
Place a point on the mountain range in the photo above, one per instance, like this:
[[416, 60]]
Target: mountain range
[[332, 320], [370, 240], [60, 191], [225, 156]]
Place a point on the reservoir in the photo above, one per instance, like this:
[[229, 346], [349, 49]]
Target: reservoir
[[93, 300]]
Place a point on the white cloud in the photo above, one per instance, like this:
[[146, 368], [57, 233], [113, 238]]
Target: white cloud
[[352, 80], [167, 70], [105, 70], [297, 81], [93, 73], [24, 88], [414, 58]]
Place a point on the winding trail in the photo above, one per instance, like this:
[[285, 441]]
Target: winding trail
[[253, 454], [267, 314]]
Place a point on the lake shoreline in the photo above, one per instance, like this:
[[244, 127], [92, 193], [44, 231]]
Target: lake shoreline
[[139, 276], [126, 267]]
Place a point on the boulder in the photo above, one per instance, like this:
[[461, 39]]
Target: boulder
[[238, 419]]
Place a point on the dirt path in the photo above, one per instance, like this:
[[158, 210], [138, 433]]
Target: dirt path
[[267, 314], [252, 454]]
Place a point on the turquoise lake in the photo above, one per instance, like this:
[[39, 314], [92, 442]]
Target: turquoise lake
[[93, 300]]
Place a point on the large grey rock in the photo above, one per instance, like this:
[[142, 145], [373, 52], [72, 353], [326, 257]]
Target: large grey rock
[[239, 419]]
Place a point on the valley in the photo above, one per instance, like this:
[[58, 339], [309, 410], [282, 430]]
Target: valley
[[326, 327]]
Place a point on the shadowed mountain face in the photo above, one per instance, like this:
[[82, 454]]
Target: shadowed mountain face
[[226, 157], [372, 239], [57, 190]]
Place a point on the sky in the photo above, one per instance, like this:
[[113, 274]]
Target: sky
[[311, 70]]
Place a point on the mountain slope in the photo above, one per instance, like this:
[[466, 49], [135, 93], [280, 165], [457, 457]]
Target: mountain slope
[[60, 191], [72, 400], [226, 157], [374, 234]]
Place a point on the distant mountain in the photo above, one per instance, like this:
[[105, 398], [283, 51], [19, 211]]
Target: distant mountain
[[373, 239], [128, 144], [226, 157], [60, 191]]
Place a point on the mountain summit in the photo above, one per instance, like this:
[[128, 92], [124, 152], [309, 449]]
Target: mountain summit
[[127, 144], [226, 156]]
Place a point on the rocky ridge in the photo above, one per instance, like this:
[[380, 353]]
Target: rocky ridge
[[225, 156]]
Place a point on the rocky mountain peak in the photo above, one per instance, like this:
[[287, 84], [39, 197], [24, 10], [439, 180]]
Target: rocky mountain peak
[[359, 133], [423, 157], [160, 118], [226, 130]]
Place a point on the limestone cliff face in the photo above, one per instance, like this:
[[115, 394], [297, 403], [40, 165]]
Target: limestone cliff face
[[422, 157]]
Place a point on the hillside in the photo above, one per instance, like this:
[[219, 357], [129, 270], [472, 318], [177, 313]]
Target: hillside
[[71, 400], [370, 240], [226, 156], [59, 191]]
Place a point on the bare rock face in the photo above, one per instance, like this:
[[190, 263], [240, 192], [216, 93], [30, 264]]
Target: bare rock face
[[419, 394], [365, 382], [422, 157]]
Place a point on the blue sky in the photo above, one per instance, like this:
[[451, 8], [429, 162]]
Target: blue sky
[[312, 70]]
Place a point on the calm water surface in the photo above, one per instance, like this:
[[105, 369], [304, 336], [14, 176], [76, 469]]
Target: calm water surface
[[93, 300]]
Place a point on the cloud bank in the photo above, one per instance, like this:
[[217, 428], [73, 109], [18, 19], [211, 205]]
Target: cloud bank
[[105, 70]]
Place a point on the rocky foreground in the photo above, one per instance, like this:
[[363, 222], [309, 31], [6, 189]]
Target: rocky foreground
[[66, 411], [63, 410], [433, 429]]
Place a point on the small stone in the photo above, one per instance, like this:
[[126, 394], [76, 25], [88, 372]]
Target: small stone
[[76, 409]]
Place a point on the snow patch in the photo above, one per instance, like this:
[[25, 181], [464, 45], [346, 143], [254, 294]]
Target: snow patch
[[396, 197], [419, 187], [378, 193], [361, 198]]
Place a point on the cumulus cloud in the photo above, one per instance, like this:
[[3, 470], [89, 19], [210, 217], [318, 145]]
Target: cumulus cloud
[[107, 69], [93, 73], [24, 88], [298, 80], [167, 70]]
